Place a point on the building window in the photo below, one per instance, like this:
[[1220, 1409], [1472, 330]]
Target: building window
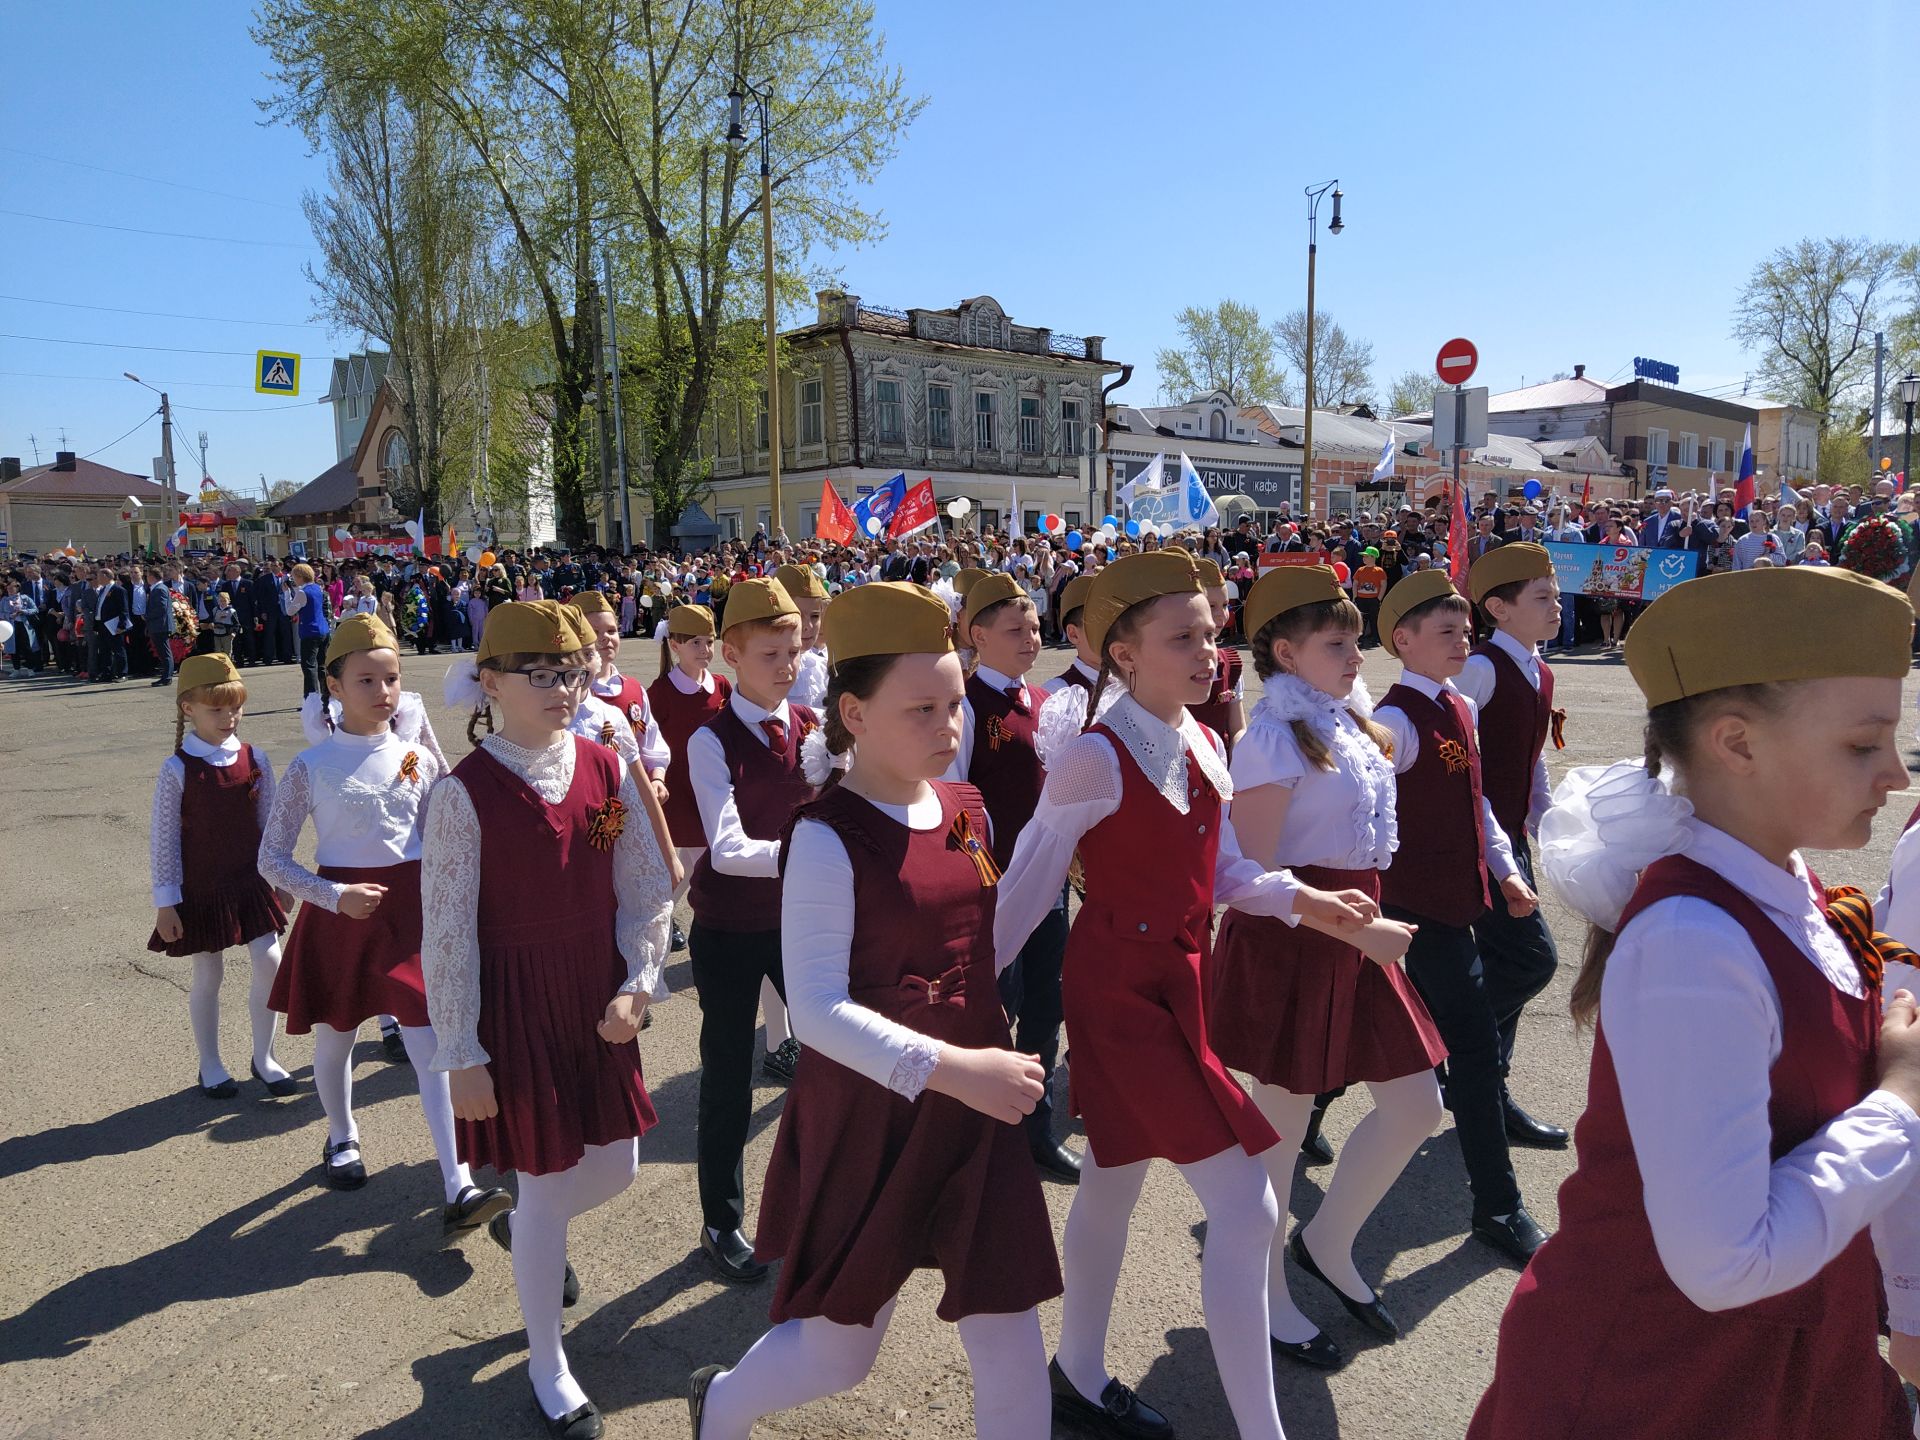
[[1656, 447], [1340, 500], [761, 516], [891, 427], [985, 405], [1217, 425], [940, 417], [760, 427], [1689, 451], [729, 521], [1072, 517], [1716, 453], [1070, 426], [1030, 436], [812, 412], [393, 456]]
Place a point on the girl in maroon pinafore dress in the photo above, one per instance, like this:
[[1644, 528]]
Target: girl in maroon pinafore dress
[[210, 805], [686, 696], [536, 984], [899, 1148]]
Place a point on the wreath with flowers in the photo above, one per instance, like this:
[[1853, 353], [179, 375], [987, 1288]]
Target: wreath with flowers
[[1876, 548]]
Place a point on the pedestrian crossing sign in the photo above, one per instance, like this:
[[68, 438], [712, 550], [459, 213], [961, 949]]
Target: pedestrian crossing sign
[[276, 374]]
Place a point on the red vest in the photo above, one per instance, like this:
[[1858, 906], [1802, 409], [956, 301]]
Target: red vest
[[1213, 712], [219, 824], [631, 701], [767, 789], [1515, 721], [1444, 875], [1597, 1340], [678, 716], [1005, 765]]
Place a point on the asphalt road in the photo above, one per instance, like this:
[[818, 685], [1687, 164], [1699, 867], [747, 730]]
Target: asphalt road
[[174, 1269]]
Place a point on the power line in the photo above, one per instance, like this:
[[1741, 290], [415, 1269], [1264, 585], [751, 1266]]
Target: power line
[[115, 345], [121, 380], [171, 314], [163, 234], [111, 443], [246, 409], [148, 179]]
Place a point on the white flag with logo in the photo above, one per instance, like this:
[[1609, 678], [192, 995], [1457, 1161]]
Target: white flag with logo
[[1384, 469], [1197, 507], [1150, 480]]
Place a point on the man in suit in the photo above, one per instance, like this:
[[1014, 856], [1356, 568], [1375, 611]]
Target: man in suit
[[240, 594], [896, 566], [1661, 529], [112, 618], [159, 619], [265, 588], [1483, 539]]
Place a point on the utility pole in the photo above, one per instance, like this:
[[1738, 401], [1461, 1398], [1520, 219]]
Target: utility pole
[[166, 453], [606, 429], [1879, 399], [619, 428]]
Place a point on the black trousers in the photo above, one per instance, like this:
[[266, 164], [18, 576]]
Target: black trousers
[[1519, 955], [1446, 969], [728, 966], [313, 664], [1030, 992]]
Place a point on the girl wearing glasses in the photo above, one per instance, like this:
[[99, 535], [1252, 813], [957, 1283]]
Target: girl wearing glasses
[[536, 991]]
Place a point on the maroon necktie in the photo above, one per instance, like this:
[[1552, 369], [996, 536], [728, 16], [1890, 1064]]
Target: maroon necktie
[[1018, 694], [776, 734]]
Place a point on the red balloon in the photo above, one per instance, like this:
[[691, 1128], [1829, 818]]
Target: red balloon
[[1340, 571]]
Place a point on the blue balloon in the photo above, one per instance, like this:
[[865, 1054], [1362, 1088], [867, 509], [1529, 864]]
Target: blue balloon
[[1531, 489], [1113, 520], [1133, 529], [1075, 539]]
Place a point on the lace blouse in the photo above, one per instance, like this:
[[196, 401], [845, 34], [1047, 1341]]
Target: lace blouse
[[809, 679], [1342, 818], [167, 863], [450, 897]]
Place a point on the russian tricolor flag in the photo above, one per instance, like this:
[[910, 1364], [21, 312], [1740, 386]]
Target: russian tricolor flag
[[1745, 488]]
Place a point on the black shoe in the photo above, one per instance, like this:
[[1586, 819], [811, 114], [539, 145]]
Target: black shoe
[[679, 941], [394, 1046], [1523, 1129], [731, 1257], [782, 1061], [161, 684], [1370, 1313], [1515, 1236], [350, 1176], [581, 1424], [286, 1085], [472, 1208], [1120, 1414], [698, 1384], [1319, 1353], [501, 1229], [225, 1090], [1057, 1160], [1313, 1145]]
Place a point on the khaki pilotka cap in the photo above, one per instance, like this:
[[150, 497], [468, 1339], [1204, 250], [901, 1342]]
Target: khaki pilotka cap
[[751, 600], [1411, 593], [1504, 564], [990, 589], [532, 627], [1132, 580], [801, 582], [894, 617], [357, 633], [1288, 587], [684, 622]]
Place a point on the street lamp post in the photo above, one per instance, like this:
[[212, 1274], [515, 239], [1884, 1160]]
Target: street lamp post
[[1909, 397], [1334, 227], [166, 451], [737, 135]]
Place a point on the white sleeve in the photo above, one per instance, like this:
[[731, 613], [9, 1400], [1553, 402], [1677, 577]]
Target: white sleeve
[[1731, 1225], [655, 755], [1898, 909], [730, 850], [816, 937], [1081, 790], [450, 932], [430, 742], [292, 602], [263, 791], [1406, 739], [1267, 754], [1541, 795], [292, 803], [642, 899], [1896, 1234], [963, 757], [1498, 848], [1476, 680], [1247, 884], [164, 840]]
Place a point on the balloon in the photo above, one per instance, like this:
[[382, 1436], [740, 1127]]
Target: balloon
[[957, 509], [488, 559], [1531, 489], [1340, 571], [874, 524], [1133, 529], [342, 533], [1110, 522], [1109, 529], [6, 631], [1075, 539], [646, 602]]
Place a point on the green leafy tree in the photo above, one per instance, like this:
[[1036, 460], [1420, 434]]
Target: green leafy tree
[[1342, 365], [1809, 311], [1411, 393], [1227, 349]]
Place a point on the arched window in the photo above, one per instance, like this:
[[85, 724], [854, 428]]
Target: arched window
[[393, 455], [1217, 425]]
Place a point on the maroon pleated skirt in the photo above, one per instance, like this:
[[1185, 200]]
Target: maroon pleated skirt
[[560, 1088], [1297, 1008], [219, 917], [339, 971]]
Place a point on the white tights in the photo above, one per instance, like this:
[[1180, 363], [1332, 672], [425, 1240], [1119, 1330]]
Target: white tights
[[1405, 1111], [805, 1360], [1241, 1217], [203, 1009], [546, 1205], [333, 1078]]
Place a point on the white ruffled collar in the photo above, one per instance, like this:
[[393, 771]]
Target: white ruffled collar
[[1161, 750], [1374, 814], [1286, 698]]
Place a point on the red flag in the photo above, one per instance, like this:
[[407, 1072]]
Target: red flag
[[1457, 539], [916, 512], [1586, 497], [834, 523]]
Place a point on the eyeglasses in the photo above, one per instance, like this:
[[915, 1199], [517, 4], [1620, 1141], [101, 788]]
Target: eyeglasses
[[544, 678]]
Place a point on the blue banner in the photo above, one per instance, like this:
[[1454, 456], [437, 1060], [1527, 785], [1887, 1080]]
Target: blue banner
[[1629, 572]]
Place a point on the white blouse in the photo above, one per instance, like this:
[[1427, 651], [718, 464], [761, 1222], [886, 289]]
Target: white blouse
[[654, 754], [1896, 1234], [594, 719], [809, 679], [1692, 1019], [1084, 787], [450, 896], [1498, 851], [1477, 682], [1341, 818], [164, 856], [817, 922]]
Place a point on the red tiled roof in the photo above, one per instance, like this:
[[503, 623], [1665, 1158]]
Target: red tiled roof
[[86, 481]]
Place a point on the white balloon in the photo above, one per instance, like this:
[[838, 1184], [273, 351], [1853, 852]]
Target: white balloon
[[960, 508], [342, 533], [1107, 532], [6, 631], [646, 602], [873, 524]]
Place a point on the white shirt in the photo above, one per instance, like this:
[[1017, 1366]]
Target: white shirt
[[1084, 787], [1477, 683], [809, 679], [993, 679], [1498, 852], [164, 855], [730, 850], [1343, 818], [594, 719], [651, 745], [1692, 1019], [1896, 1234], [817, 922]]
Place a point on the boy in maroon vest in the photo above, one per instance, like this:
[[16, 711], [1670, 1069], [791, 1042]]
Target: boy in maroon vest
[[1441, 883], [1224, 712], [744, 767], [999, 727], [1512, 688]]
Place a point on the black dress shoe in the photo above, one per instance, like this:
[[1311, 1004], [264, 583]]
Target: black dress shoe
[[1056, 1160], [348, 1176], [472, 1208], [1515, 1236], [1319, 1353], [1313, 1145], [394, 1047], [782, 1062], [698, 1384], [581, 1424], [286, 1085], [732, 1257], [1523, 1129], [225, 1090], [679, 941], [1370, 1313], [1120, 1414], [501, 1229]]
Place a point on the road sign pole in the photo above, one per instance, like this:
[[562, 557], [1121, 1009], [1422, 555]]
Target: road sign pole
[[1459, 431], [166, 452]]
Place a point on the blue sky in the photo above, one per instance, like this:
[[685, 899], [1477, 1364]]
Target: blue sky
[[1560, 183]]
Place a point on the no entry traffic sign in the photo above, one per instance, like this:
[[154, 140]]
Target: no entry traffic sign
[[1456, 362]]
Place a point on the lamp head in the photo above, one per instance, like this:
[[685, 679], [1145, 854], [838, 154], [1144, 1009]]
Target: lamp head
[[133, 377], [736, 116], [1910, 390], [1336, 225]]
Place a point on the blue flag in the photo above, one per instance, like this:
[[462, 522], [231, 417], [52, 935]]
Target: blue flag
[[873, 514]]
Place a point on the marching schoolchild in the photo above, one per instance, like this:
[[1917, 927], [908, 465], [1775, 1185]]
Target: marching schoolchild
[[1224, 709], [685, 696]]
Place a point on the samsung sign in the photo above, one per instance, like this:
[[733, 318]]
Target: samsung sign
[[1655, 370], [1269, 489]]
